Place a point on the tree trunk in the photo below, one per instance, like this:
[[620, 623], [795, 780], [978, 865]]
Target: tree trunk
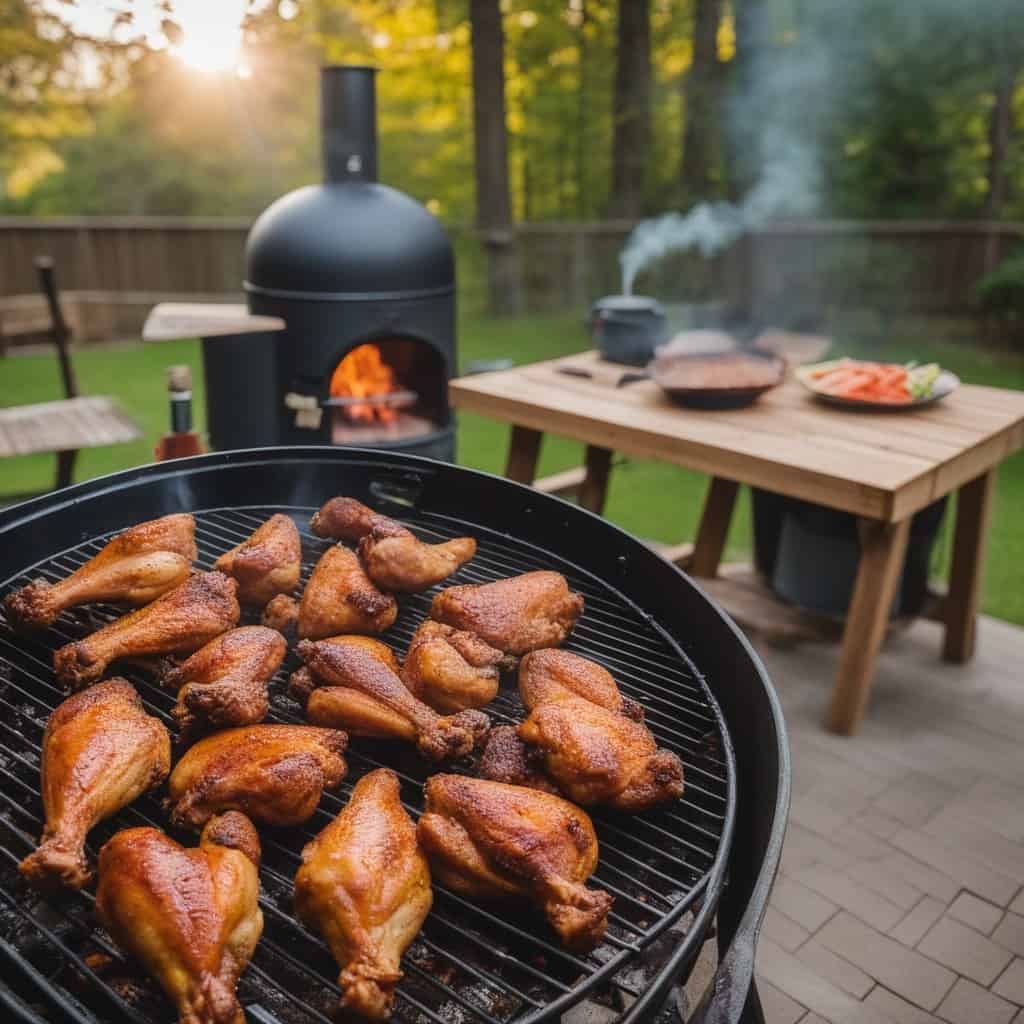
[[493, 198], [1000, 128], [700, 137], [752, 37], [632, 109]]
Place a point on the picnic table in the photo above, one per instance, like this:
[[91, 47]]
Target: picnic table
[[882, 467]]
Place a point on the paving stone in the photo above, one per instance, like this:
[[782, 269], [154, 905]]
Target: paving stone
[[812, 1018], [834, 968], [1010, 933], [1010, 984], [971, 874], [968, 1003], [886, 882], [784, 930], [913, 928], [927, 879], [896, 1008], [904, 971], [800, 982], [878, 823], [803, 905], [913, 802], [867, 904], [965, 951], [1017, 906], [977, 840], [979, 914], [778, 1007]]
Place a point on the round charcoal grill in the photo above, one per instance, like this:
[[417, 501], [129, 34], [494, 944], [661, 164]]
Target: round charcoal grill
[[669, 869]]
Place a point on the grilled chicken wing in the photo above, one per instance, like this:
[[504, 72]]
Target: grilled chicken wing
[[101, 751], [450, 669], [339, 598], [267, 563], [281, 613], [134, 568], [592, 748], [190, 916], [365, 886], [181, 621], [488, 840], [225, 683], [515, 615], [358, 689], [275, 774], [394, 557]]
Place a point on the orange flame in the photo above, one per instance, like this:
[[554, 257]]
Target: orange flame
[[363, 374]]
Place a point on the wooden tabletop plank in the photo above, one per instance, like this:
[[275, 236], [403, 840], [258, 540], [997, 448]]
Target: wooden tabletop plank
[[882, 465], [87, 422], [171, 321]]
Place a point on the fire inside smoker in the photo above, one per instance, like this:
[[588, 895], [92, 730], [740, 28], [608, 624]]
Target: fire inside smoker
[[368, 402]]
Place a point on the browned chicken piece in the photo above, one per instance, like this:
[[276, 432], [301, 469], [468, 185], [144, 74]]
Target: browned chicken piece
[[450, 669], [506, 758], [515, 615], [267, 563], [134, 568], [181, 621], [339, 598], [281, 613], [394, 557], [191, 917], [101, 751], [225, 683], [364, 885], [488, 840], [359, 690], [594, 754], [275, 774], [302, 683]]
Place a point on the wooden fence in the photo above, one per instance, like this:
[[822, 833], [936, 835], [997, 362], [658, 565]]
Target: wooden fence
[[785, 272]]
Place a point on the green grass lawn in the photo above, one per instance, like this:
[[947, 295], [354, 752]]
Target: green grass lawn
[[648, 499]]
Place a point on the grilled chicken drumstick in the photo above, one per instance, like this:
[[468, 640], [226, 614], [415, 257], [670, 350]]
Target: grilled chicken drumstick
[[488, 840], [100, 752], [450, 669], [515, 615], [181, 621], [587, 735], [225, 683], [275, 774], [395, 558], [364, 885], [339, 598], [134, 568], [358, 690], [190, 916], [267, 563]]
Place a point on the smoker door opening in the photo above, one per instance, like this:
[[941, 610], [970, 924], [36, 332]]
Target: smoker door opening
[[386, 389]]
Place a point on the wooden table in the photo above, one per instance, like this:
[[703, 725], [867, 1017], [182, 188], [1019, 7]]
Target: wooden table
[[882, 467]]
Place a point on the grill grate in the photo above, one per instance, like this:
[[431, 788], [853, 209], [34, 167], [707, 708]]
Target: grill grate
[[473, 964]]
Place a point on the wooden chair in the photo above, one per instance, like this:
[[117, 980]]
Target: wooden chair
[[66, 426]]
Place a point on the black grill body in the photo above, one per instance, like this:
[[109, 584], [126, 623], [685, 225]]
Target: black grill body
[[667, 645]]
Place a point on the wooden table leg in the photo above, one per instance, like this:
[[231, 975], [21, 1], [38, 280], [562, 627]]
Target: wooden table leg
[[594, 489], [714, 526], [883, 549], [523, 452], [973, 506]]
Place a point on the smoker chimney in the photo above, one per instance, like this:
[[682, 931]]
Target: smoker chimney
[[348, 123]]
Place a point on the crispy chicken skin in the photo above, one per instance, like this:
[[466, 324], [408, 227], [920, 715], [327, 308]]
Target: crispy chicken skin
[[488, 840], [101, 751], [394, 557], [191, 917], [275, 774], [181, 621], [515, 615], [302, 683], [136, 567], [450, 669], [225, 683], [359, 690], [339, 598], [506, 758], [591, 748], [364, 885], [267, 563], [281, 613]]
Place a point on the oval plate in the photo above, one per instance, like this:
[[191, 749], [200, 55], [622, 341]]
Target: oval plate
[[945, 384]]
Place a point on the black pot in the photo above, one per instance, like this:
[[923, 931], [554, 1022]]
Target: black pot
[[628, 328]]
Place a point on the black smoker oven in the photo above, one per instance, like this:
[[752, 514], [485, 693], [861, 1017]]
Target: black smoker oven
[[364, 278], [709, 857]]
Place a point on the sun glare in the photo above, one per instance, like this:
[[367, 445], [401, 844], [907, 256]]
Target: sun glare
[[211, 34]]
